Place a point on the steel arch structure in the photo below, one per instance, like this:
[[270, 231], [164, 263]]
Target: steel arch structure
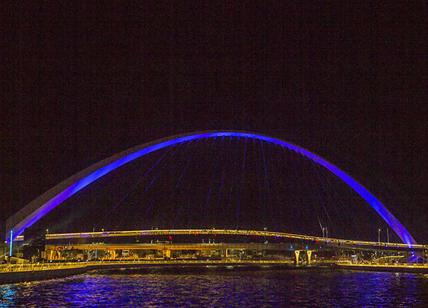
[[46, 202]]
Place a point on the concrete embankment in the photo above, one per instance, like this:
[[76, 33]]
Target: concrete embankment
[[15, 277], [399, 268], [51, 272]]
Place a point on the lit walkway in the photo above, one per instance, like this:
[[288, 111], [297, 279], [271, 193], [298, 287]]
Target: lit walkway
[[325, 240]]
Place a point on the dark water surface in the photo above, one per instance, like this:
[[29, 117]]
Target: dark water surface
[[224, 289]]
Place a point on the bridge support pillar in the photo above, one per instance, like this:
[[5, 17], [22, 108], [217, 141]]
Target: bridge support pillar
[[226, 253], [309, 255], [297, 254], [50, 254], [167, 253]]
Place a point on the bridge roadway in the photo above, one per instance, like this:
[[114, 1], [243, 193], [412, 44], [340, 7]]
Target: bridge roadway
[[334, 242], [170, 246]]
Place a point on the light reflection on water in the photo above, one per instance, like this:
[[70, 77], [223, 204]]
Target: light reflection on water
[[223, 289]]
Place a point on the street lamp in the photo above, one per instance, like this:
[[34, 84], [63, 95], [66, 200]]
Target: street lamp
[[378, 235], [387, 235]]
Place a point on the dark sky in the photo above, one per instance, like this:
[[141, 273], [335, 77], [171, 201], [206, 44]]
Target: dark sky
[[82, 81]]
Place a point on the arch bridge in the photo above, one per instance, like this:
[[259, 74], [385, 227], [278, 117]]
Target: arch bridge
[[55, 196]]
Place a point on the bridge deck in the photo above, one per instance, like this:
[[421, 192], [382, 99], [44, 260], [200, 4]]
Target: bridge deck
[[324, 240]]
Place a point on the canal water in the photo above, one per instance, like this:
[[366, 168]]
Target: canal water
[[231, 288]]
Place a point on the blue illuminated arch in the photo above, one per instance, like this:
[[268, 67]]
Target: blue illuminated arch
[[41, 206]]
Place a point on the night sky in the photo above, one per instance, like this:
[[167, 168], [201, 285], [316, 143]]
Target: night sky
[[82, 81]]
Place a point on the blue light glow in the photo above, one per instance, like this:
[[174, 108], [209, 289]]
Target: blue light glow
[[11, 243], [84, 181]]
